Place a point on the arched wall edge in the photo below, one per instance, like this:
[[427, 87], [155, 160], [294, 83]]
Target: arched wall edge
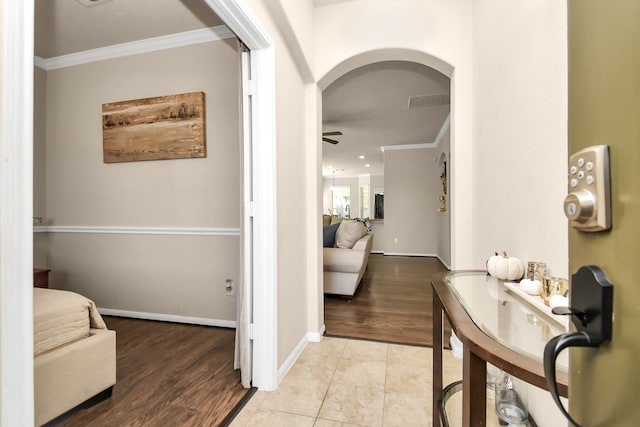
[[420, 57], [380, 55]]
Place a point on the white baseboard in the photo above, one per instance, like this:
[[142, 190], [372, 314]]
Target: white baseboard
[[409, 254], [447, 266], [168, 318], [291, 360], [377, 252], [316, 336]]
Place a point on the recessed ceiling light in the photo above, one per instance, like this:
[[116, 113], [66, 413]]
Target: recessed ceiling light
[[367, 165], [361, 157]]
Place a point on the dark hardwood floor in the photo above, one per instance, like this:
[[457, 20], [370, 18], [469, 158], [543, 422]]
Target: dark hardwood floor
[[392, 304], [168, 374]]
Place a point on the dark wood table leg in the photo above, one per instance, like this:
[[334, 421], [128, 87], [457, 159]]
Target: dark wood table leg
[[437, 358], [474, 389]]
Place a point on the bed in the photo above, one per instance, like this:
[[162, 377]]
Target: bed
[[74, 353]]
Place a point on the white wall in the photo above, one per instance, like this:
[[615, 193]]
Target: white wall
[[520, 141], [434, 33], [520, 137], [294, 19]]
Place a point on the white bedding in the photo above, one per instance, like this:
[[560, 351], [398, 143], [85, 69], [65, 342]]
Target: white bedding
[[61, 317]]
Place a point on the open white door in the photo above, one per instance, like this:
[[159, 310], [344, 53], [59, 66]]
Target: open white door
[[244, 348]]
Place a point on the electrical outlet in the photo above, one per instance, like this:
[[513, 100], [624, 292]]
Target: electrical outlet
[[395, 240], [229, 287]]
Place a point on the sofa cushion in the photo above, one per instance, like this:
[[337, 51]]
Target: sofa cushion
[[329, 235], [349, 233], [343, 260]]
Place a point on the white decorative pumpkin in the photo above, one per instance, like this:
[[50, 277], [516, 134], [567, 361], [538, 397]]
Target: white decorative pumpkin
[[532, 287], [491, 263], [505, 267]]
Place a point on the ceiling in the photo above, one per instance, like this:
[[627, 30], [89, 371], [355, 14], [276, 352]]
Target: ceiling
[[369, 105], [66, 26]]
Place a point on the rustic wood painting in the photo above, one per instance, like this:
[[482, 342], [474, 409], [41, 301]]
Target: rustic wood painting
[[160, 128]]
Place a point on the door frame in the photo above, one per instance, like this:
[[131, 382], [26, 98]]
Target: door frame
[[243, 23], [16, 204]]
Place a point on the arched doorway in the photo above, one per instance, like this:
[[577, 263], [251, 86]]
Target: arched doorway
[[390, 72]]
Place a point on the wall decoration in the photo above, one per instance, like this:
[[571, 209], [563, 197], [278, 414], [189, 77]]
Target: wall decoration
[[443, 181], [160, 128]]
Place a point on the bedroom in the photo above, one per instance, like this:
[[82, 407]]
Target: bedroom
[[155, 239]]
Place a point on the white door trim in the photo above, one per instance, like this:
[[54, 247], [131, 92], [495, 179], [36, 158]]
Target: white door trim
[[240, 19], [16, 211]]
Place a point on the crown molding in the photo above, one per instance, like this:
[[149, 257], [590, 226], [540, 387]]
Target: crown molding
[[445, 126], [153, 44]]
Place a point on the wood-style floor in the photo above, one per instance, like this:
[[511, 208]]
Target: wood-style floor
[[168, 374], [392, 304]]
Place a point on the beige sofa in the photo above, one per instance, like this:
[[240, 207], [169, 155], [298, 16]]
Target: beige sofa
[[344, 267]]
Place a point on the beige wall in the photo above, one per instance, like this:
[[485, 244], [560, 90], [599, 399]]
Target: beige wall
[[174, 275], [178, 275], [295, 115], [410, 202], [82, 190], [39, 142]]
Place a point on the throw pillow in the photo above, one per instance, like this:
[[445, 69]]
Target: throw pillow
[[329, 235], [349, 233], [364, 221]]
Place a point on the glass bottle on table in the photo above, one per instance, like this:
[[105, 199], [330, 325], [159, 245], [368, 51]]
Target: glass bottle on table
[[509, 406]]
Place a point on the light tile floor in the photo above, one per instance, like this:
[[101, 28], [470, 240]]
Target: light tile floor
[[343, 383]]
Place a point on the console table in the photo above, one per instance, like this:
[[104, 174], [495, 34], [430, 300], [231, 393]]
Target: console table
[[495, 326]]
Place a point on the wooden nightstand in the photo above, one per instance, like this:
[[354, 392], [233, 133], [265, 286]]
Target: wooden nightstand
[[41, 277]]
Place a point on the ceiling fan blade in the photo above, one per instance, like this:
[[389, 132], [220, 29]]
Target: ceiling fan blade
[[330, 141], [332, 133]]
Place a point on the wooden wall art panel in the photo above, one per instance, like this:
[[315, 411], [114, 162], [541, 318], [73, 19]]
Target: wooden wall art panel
[[160, 128]]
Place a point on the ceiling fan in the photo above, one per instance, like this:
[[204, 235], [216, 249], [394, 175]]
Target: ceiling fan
[[331, 140]]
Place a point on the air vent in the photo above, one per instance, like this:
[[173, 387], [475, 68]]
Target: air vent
[[428, 100], [92, 3]]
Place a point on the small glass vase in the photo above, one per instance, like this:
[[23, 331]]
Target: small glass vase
[[509, 407]]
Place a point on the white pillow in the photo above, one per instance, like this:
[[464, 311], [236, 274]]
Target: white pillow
[[349, 233]]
